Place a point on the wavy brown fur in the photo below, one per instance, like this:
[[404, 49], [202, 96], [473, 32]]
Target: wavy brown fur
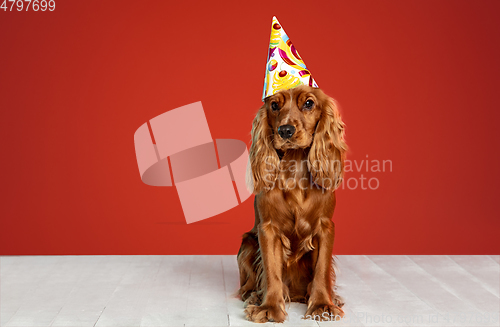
[[287, 256]]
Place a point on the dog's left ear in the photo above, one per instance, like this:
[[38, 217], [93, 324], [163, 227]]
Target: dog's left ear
[[327, 154]]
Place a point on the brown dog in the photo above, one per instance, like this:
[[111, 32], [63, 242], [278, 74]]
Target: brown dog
[[296, 162]]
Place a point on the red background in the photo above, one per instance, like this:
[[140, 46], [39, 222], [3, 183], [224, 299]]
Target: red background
[[417, 82]]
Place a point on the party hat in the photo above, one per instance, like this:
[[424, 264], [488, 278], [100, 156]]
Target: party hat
[[285, 69]]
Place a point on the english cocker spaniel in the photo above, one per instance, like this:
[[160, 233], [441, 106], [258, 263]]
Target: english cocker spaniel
[[296, 163]]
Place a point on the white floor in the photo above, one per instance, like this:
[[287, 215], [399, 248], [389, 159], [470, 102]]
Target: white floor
[[199, 291]]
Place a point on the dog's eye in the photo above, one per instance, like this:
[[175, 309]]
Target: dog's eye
[[309, 104], [275, 106]]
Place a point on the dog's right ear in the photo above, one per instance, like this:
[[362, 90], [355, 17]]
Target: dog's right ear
[[263, 160]]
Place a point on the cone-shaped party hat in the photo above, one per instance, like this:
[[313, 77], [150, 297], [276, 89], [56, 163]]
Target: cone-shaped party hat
[[285, 69]]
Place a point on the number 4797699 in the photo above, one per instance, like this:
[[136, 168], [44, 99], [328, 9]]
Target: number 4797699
[[26, 5]]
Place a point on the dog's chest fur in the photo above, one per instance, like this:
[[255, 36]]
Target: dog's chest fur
[[299, 201]]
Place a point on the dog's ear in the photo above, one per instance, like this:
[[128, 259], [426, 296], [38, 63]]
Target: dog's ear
[[327, 154], [263, 159]]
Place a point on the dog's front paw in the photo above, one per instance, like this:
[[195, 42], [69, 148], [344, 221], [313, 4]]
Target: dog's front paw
[[253, 299], [324, 312], [265, 313]]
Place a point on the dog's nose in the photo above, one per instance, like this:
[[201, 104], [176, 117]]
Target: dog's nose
[[286, 131]]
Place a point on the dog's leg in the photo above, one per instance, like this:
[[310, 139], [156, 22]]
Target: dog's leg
[[321, 305], [273, 304], [247, 256], [247, 263]]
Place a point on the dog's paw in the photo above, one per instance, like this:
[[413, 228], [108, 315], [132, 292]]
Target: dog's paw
[[265, 313], [338, 301], [252, 299], [324, 312]]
